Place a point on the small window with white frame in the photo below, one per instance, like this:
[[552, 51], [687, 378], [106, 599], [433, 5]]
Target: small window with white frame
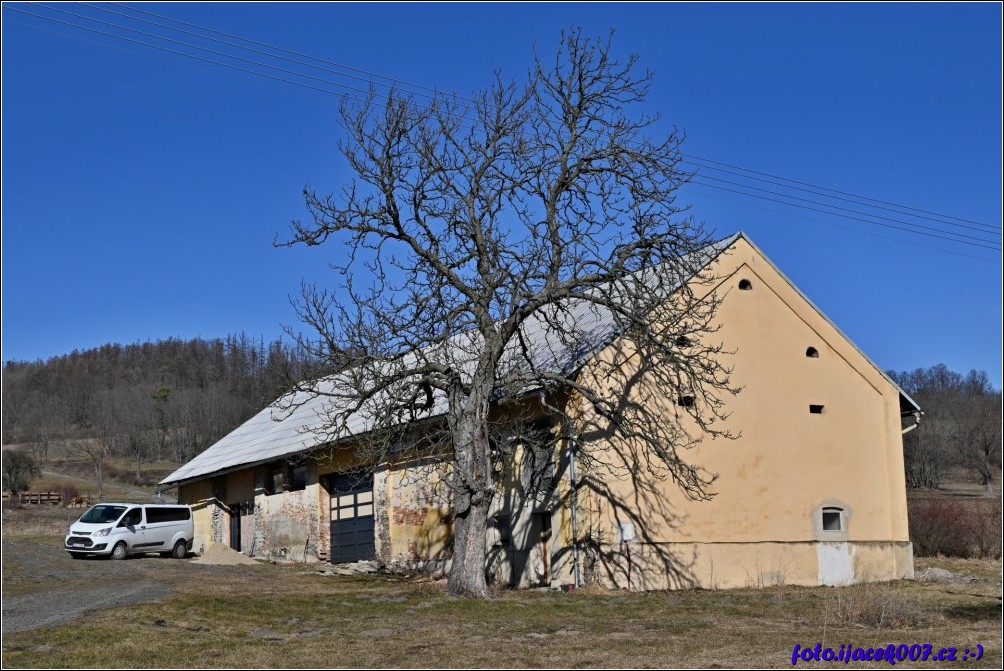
[[833, 518]]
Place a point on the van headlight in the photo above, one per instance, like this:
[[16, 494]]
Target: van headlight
[[103, 532]]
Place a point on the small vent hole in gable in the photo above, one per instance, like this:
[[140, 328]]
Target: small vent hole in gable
[[812, 353], [745, 285]]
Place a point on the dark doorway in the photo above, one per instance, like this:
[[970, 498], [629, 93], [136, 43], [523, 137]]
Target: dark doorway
[[235, 527], [242, 526], [352, 520]]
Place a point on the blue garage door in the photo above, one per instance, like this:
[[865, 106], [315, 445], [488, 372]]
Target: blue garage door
[[352, 528]]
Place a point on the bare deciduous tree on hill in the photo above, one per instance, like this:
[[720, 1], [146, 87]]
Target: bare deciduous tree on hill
[[978, 430], [472, 223], [961, 426]]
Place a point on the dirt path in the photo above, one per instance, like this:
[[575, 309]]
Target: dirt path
[[21, 613], [44, 586]]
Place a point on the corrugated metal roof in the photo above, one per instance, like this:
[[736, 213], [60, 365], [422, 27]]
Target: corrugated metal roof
[[559, 339]]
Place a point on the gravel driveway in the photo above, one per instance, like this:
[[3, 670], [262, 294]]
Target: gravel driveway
[[44, 586]]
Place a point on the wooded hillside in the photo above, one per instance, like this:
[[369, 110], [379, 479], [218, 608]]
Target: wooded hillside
[[960, 428], [165, 400]]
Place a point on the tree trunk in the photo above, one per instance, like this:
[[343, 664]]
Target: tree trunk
[[467, 574], [473, 492], [99, 475]]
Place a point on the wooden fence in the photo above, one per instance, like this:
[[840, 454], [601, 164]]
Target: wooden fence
[[38, 498]]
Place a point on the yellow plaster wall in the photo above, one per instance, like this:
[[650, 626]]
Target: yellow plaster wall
[[418, 512], [199, 495], [735, 565], [787, 463]]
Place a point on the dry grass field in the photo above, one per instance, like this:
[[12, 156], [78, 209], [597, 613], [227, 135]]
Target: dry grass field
[[184, 613]]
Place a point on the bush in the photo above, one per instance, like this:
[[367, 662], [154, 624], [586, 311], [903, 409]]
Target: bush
[[143, 480], [988, 530], [20, 469], [68, 492], [109, 471], [956, 527]]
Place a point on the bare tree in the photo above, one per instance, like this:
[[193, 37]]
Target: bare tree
[[977, 419], [961, 427], [134, 424], [477, 241], [105, 416], [928, 453]]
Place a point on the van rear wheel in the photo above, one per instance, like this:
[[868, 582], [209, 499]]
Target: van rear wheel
[[120, 551], [180, 550]]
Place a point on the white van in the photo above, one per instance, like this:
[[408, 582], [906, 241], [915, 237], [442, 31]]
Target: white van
[[121, 529]]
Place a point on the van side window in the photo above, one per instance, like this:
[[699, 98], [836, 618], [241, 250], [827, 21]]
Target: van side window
[[156, 514], [133, 517]]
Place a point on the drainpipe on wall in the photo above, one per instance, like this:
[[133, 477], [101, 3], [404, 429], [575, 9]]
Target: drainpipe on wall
[[574, 504], [916, 422]]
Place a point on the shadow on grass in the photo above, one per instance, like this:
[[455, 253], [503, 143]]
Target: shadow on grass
[[988, 610]]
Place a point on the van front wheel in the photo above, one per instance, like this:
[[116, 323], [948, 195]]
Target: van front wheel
[[120, 551], [180, 550]]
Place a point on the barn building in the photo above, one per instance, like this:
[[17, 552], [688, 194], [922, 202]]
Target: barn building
[[810, 491]]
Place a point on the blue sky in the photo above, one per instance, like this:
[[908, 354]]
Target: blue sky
[[142, 190]]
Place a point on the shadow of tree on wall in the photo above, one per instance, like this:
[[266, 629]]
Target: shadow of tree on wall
[[633, 439], [629, 447], [627, 422]]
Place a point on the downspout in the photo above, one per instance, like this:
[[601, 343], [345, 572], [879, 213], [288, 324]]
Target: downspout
[[574, 504], [916, 421]]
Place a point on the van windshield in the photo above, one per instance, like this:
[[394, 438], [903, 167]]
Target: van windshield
[[102, 514]]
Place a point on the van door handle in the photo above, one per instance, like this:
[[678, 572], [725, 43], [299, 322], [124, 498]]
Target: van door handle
[[143, 527]]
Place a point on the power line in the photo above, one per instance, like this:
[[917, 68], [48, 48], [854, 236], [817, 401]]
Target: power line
[[195, 46], [368, 79], [982, 228], [845, 209], [125, 49], [371, 93], [288, 51], [912, 243], [436, 91], [182, 53], [844, 216], [845, 193]]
